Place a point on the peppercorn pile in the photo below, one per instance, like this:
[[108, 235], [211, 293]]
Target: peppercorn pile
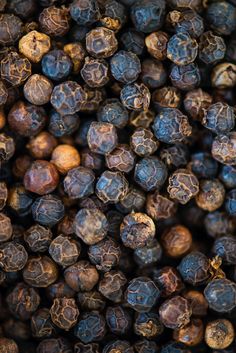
[[117, 176]]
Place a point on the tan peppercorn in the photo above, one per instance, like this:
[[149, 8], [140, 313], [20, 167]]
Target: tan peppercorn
[[38, 89], [77, 54], [177, 241], [224, 75], [42, 145], [2, 118], [191, 334], [219, 334], [156, 44], [5, 228], [65, 157], [34, 45]]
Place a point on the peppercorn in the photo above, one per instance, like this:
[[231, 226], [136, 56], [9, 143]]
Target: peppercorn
[[41, 324], [26, 119], [11, 29], [224, 247], [118, 345], [183, 185], [186, 77], [133, 201], [148, 254], [221, 295], [211, 195], [81, 276], [64, 313], [223, 148], [186, 20], [54, 344], [64, 250], [20, 200], [175, 312], [59, 289], [8, 345], [95, 72], [113, 112], [13, 256], [90, 327], [219, 334], [102, 137], [133, 41], [118, 320], [92, 300], [168, 280], [145, 346], [65, 158], [223, 75], [148, 325], [111, 286], [84, 348], [135, 96], [111, 187], [85, 12], [54, 21], [38, 238], [191, 334], [194, 268], [23, 301], [34, 45], [38, 89], [3, 196], [101, 42], [198, 302], [159, 206], [182, 49], [67, 98], [48, 210]]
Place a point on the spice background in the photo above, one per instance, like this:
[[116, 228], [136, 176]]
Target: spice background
[[117, 176]]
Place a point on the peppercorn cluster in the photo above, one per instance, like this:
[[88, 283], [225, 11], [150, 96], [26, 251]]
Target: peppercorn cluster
[[117, 176]]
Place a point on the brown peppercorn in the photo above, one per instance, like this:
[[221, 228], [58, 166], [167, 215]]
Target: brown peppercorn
[[2, 118], [168, 280], [77, 54], [13, 256], [183, 186], [111, 286], [105, 254], [65, 157], [159, 206], [137, 230], [38, 89], [101, 42], [20, 200], [34, 45], [5, 228], [121, 158], [3, 198], [64, 250], [7, 147], [8, 345], [41, 178], [156, 44], [90, 225], [11, 28], [21, 165], [211, 195], [176, 241], [26, 119], [175, 313], [64, 313], [196, 102], [143, 142], [92, 300], [23, 301], [191, 334], [3, 93], [40, 272], [42, 145], [224, 75], [95, 72], [15, 69], [141, 119], [82, 276], [102, 137], [219, 334], [55, 21], [38, 238], [224, 148], [198, 302], [166, 97], [41, 324]]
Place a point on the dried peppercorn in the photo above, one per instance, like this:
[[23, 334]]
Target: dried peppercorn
[[186, 20], [90, 327], [13, 256], [76, 53], [11, 29], [42, 145], [185, 77], [223, 148], [198, 302], [82, 276], [183, 185], [26, 119], [118, 320], [122, 346], [175, 312], [148, 254], [176, 241], [218, 223], [41, 324], [219, 334], [211, 195], [145, 346], [112, 111], [64, 250], [111, 187], [38, 89], [101, 42], [168, 280], [196, 102], [191, 334], [15, 69], [219, 118], [85, 12], [223, 75], [20, 200], [95, 72], [65, 158], [48, 210], [102, 137], [64, 313], [54, 21], [148, 325], [135, 96], [121, 159], [111, 286], [182, 49], [34, 45], [8, 344], [3, 196], [125, 66], [194, 268], [59, 289], [133, 201], [38, 238], [221, 17], [133, 41], [23, 301], [159, 206], [54, 344], [221, 295]]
